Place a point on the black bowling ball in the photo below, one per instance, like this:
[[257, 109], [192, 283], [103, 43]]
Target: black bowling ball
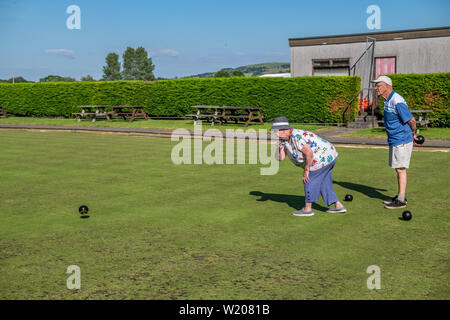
[[406, 215], [83, 210], [348, 197], [420, 139]]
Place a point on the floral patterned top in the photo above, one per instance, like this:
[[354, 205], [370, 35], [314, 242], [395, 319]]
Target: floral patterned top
[[323, 151]]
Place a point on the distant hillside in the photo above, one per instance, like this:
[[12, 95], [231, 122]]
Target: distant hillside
[[253, 70]]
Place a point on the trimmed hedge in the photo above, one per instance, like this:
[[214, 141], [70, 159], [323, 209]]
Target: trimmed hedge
[[304, 99], [426, 91]]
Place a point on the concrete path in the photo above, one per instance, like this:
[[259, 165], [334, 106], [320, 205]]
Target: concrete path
[[332, 135]]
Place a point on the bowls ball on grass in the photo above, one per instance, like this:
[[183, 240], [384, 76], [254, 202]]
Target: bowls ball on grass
[[348, 197], [83, 210], [407, 215]]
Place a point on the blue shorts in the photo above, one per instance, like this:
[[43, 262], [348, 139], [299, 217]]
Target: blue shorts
[[321, 183]]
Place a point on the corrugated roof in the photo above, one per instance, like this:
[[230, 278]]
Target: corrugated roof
[[379, 36]]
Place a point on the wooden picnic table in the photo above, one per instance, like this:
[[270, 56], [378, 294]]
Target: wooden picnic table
[[127, 111], [94, 112], [224, 113], [422, 118]]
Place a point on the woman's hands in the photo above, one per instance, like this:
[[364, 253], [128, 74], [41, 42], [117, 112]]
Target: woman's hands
[[281, 153], [305, 176], [308, 162]]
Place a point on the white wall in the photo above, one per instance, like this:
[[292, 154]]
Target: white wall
[[426, 55]]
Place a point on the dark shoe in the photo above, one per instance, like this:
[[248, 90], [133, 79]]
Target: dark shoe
[[396, 204], [393, 199]]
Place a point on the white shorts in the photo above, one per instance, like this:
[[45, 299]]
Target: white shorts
[[400, 156]]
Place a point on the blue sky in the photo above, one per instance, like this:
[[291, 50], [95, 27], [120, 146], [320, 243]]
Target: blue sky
[[184, 37]]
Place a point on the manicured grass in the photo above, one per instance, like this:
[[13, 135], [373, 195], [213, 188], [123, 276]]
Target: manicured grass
[[163, 231], [147, 124], [430, 133]]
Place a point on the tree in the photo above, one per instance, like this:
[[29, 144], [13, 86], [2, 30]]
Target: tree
[[137, 65], [53, 78], [15, 80], [238, 73], [87, 78], [128, 64], [111, 71], [221, 74], [144, 65]]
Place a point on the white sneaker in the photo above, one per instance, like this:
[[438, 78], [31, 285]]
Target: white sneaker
[[336, 210], [301, 213]]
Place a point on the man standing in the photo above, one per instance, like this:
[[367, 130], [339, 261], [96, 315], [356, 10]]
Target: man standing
[[400, 128], [317, 156]]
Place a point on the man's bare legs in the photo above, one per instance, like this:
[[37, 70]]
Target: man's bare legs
[[402, 181]]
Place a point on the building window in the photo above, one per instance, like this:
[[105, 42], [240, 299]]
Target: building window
[[331, 67], [385, 65]]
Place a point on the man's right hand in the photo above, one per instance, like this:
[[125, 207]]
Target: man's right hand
[[414, 141]]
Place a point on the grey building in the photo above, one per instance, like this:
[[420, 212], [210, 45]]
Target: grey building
[[408, 51]]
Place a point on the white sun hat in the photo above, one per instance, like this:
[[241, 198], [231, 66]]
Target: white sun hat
[[384, 79]]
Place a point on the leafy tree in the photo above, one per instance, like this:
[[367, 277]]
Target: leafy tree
[[129, 64], [111, 71], [221, 74], [87, 78], [15, 80], [53, 78], [137, 65], [238, 73], [144, 65]]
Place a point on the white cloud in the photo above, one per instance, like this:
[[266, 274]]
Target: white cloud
[[62, 52], [164, 52]]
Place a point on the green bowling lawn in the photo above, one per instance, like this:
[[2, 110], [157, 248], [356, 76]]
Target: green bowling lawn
[[163, 231]]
